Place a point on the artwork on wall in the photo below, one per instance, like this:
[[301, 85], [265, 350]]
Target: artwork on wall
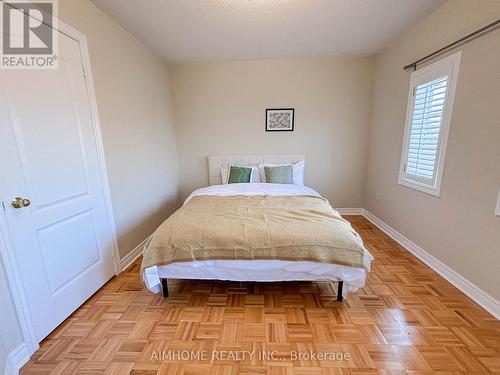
[[279, 119]]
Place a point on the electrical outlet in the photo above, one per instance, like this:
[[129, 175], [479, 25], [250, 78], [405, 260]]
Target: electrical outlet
[[377, 197], [497, 210]]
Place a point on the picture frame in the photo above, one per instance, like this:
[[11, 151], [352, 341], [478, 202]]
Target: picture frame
[[280, 119]]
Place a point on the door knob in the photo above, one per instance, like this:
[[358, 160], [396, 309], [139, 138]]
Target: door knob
[[19, 202]]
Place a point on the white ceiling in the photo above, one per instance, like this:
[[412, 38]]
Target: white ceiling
[[204, 30]]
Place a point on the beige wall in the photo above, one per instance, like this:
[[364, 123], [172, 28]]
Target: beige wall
[[220, 109], [133, 98], [460, 227]]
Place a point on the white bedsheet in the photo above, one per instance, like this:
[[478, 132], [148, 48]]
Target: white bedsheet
[[256, 270], [254, 189]]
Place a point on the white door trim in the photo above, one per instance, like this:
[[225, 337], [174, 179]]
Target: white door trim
[[6, 245]]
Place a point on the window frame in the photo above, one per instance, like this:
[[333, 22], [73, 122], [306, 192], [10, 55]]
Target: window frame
[[448, 66]]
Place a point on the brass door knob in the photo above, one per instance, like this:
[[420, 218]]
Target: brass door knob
[[19, 202]]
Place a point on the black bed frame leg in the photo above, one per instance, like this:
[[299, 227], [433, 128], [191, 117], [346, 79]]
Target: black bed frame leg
[[339, 291], [164, 287]]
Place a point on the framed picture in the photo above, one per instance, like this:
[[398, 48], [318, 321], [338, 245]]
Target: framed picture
[[280, 119]]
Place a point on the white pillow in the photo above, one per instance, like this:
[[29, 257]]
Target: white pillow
[[224, 174], [254, 177], [297, 171]]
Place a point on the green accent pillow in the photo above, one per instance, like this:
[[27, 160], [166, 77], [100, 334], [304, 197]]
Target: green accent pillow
[[281, 174], [239, 175]]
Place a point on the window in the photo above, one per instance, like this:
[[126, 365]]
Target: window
[[430, 103]]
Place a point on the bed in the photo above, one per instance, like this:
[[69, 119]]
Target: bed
[[259, 232]]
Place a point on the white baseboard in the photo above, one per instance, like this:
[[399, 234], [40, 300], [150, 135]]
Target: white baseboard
[[133, 255], [478, 295], [351, 211], [16, 359]]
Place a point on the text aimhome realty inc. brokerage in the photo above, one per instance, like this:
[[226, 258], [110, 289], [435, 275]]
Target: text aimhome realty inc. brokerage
[[244, 355]]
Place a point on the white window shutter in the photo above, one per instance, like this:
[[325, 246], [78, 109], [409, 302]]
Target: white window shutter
[[428, 116], [425, 128]]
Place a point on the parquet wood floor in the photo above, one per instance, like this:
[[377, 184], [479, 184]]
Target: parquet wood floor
[[407, 320]]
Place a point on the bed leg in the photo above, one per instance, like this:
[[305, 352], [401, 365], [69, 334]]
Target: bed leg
[[339, 291], [164, 287]]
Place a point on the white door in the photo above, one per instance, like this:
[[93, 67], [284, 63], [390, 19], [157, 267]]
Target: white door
[[48, 154]]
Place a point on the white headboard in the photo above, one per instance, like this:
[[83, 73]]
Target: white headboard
[[215, 162]]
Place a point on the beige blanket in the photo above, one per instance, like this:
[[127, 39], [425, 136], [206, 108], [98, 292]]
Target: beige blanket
[[301, 228]]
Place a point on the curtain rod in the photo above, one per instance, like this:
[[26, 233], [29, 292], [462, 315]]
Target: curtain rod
[[468, 37]]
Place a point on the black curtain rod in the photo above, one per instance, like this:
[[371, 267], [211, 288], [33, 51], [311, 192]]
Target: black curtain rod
[[475, 34]]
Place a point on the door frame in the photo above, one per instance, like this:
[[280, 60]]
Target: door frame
[[7, 252]]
